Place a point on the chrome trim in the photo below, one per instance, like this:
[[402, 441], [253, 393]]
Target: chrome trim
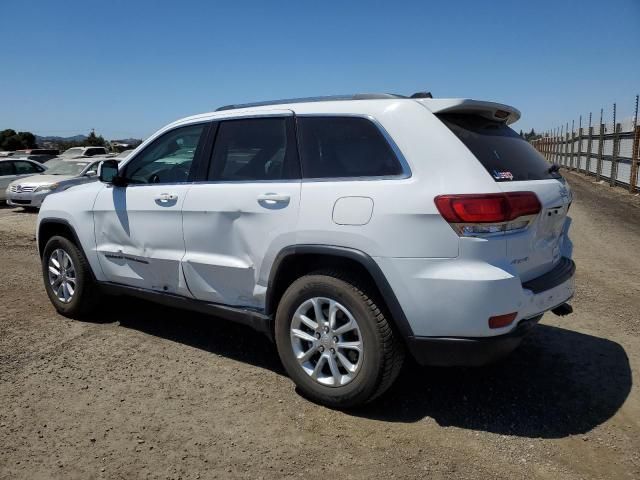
[[406, 169]]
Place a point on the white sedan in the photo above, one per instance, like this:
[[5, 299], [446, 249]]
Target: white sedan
[[11, 170]]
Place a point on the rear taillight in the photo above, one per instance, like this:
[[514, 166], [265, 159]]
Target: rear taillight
[[491, 213]]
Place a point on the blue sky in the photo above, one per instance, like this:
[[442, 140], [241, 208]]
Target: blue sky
[[126, 68]]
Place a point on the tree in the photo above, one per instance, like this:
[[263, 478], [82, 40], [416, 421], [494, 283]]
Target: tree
[[11, 143], [532, 135], [4, 135], [10, 140], [95, 140], [28, 139]]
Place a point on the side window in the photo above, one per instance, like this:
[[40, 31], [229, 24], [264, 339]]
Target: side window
[[342, 147], [255, 149], [95, 151], [6, 168], [23, 168], [167, 159]]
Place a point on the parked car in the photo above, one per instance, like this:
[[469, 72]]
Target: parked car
[[41, 155], [11, 170], [29, 192], [350, 230], [83, 152]]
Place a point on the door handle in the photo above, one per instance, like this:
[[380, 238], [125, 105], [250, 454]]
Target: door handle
[[274, 198], [166, 197]]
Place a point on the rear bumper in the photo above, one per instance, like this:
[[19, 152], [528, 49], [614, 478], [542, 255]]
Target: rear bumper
[[470, 352], [549, 290], [448, 304], [456, 297]]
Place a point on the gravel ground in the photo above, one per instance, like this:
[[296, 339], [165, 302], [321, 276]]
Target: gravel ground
[[142, 391]]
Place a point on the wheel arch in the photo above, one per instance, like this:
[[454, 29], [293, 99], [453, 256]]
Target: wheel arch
[[50, 227], [294, 261]]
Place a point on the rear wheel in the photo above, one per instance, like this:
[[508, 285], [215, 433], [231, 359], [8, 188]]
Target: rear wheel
[[67, 278], [335, 342]]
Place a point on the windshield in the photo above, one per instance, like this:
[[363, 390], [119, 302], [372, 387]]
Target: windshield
[[506, 155], [67, 168], [72, 152]]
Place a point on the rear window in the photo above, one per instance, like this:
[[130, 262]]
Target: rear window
[[72, 152], [506, 155], [343, 147]]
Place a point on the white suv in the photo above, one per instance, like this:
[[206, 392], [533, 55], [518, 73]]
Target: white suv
[[348, 229]]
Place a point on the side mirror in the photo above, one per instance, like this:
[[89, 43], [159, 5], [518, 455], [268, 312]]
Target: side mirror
[[108, 171], [91, 173]]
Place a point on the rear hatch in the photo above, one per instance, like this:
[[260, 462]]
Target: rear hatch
[[516, 166]]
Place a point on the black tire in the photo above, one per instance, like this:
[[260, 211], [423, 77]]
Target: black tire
[[383, 350], [86, 296]]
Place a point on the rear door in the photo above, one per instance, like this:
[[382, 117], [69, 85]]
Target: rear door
[[138, 228], [245, 210], [25, 168], [517, 166]]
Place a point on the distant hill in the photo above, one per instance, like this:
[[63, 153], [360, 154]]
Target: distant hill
[[75, 138], [129, 141]]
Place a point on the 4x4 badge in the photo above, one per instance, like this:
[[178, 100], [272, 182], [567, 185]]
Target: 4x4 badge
[[564, 192]]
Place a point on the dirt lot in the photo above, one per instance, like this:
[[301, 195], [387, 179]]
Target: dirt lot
[[145, 391]]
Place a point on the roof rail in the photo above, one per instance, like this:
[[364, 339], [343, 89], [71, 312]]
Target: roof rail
[[330, 98]]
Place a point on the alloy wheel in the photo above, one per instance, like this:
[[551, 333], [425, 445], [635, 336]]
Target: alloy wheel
[[62, 275], [326, 341]]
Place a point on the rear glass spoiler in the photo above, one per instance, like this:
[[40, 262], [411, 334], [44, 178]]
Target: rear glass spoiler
[[490, 110]]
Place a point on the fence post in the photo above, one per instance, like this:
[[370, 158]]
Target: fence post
[[572, 165], [579, 152], [614, 149], [600, 148], [587, 166], [547, 140], [635, 158], [566, 148], [589, 144], [635, 152], [556, 146]]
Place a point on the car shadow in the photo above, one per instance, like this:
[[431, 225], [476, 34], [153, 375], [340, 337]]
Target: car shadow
[[211, 334], [557, 383]]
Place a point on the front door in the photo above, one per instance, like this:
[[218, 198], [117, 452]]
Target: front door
[[138, 227], [246, 211], [7, 175]]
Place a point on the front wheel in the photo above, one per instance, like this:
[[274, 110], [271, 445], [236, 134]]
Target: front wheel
[[68, 279], [335, 342]]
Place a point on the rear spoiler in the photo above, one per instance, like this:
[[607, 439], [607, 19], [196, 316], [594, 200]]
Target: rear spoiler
[[490, 110]]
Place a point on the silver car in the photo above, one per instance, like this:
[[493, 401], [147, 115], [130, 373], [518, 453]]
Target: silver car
[[29, 192], [13, 169]]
